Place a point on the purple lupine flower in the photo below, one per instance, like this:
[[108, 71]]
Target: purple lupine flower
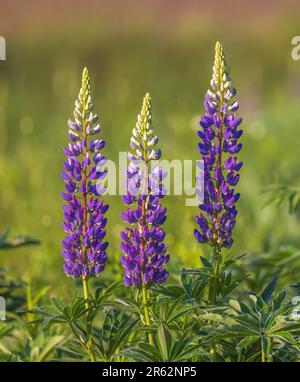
[[84, 248], [219, 148], [144, 251]]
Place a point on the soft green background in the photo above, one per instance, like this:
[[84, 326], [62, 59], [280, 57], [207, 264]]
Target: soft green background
[[166, 48]]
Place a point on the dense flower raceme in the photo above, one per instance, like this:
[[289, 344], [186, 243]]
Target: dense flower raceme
[[84, 249], [144, 251], [218, 147]]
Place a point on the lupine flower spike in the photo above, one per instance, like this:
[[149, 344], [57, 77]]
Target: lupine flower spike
[[219, 147], [144, 251], [84, 248], [143, 245]]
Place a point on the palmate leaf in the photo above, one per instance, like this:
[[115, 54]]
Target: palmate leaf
[[167, 349], [167, 308], [187, 284], [58, 312], [191, 351], [178, 313], [113, 336], [183, 349], [173, 312], [129, 305], [214, 274], [72, 350], [264, 324], [143, 353]]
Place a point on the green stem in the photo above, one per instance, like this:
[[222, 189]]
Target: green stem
[[270, 358], [90, 340], [213, 293], [146, 312]]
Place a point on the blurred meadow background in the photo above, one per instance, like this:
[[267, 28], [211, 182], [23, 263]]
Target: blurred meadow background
[[130, 47]]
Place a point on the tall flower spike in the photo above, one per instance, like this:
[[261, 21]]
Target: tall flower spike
[[143, 247], [218, 147], [84, 249]]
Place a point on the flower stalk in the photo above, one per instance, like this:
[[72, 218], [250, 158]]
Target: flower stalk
[[86, 295], [218, 147], [144, 251], [84, 249], [146, 312]]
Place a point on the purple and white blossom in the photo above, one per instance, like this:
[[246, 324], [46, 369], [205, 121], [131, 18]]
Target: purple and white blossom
[[219, 147], [84, 248], [144, 251]]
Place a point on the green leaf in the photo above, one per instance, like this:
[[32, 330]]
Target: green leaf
[[50, 347], [59, 304], [143, 352], [261, 306], [205, 262], [246, 342], [285, 336], [164, 341], [278, 300], [268, 291]]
